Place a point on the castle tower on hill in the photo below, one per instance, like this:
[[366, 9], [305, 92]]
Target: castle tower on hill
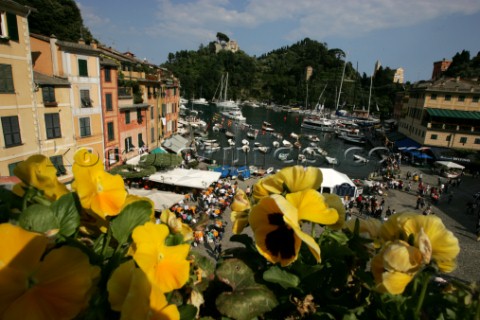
[[439, 67]]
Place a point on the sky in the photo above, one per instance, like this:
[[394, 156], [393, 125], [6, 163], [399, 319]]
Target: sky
[[408, 34]]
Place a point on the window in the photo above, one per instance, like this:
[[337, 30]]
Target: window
[[8, 26], [139, 116], [108, 74], [11, 167], [57, 162], [152, 135], [463, 140], [461, 98], [475, 98], [85, 127], [140, 140], [52, 124], [48, 95], [129, 144], [108, 101], [434, 137], [82, 68], [449, 137], [433, 96], [11, 131], [477, 141], [151, 113], [448, 97], [127, 117], [6, 79], [85, 98], [110, 130]]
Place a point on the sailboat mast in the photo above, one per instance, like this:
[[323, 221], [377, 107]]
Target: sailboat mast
[[370, 96], [341, 83], [226, 88]]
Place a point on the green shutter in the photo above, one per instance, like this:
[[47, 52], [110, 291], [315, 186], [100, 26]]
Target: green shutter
[[12, 26], [82, 68]]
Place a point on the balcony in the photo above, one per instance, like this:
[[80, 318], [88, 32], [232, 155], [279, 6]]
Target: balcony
[[125, 93]]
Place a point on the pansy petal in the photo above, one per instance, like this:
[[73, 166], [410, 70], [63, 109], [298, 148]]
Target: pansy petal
[[239, 221], [23, 249], [298, 178], [312, 207], [396, 282], [333, 201], [310, 242], [119, 284], [12, 286], [63, 285], [278, 245]]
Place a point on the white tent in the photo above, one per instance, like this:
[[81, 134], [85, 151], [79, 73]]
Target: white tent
[[337, 182], [161, 199], [449, 165], [199, 179]]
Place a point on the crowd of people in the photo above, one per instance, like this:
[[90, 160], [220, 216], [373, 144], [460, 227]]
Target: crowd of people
[[204, 211]]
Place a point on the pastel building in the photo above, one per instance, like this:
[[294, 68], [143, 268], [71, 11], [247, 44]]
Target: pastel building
[[19, 115], [443, 113]]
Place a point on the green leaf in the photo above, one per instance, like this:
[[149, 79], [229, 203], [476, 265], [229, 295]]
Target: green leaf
[[174, 239], [187, 312], [248, 299], [67, 213], [281, 277], [38, 218], [132, 216]]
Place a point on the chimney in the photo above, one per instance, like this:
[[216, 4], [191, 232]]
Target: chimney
[[94, 44], [81, 41]]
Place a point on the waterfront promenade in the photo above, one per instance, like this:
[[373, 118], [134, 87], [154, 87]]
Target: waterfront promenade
[[454, 216]]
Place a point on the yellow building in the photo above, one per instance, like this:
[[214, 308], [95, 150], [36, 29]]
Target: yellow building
[[443, 113], [20, 136], [79, 65]]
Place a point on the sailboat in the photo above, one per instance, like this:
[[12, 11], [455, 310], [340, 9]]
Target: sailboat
[[222, 101]]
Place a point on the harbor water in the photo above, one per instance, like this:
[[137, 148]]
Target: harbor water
[[284, 123]]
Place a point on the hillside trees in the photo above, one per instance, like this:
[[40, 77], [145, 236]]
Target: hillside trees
[[59, 17]]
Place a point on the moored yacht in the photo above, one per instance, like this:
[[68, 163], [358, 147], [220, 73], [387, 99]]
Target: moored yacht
[[320, 124]]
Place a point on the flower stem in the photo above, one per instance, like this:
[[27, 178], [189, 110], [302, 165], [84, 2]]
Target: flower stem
[[106, 242], [312, 232], [426, 279]]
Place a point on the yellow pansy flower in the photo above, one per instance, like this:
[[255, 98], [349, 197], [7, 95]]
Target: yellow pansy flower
[[275, 224], [176, 225], [165, 266], [39, 172], [443, 244], [240, 211], [291, 179], [395, 266], [57, 286], [98, 190], [130, 293]]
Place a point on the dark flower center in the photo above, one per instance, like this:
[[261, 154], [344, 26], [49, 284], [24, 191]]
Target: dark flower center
[[281, 241]]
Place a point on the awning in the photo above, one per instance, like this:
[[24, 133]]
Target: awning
[[161, 199], [449, 165], [407, 143], [198, 179], [419, 155], [176, 143], [446, 154], [456, 114]]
